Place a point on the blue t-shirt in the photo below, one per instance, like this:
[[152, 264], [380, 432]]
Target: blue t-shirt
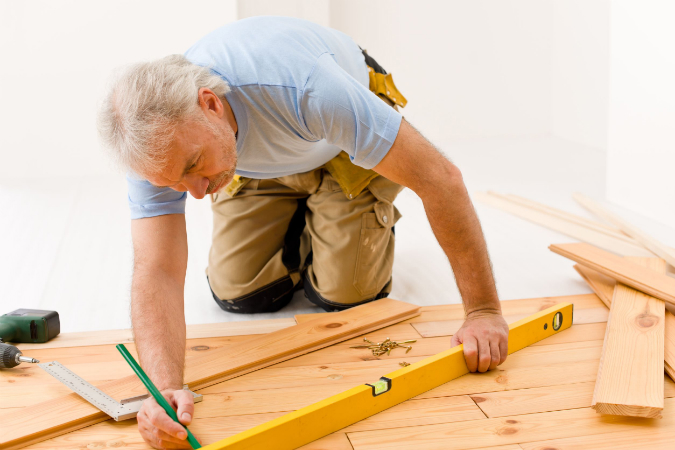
[[299, 93]]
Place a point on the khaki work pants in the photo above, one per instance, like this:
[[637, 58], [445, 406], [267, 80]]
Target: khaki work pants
[[275, 233]]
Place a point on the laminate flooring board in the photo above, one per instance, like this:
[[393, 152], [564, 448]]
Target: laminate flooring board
[[335, 441], [641, 278], [638, 437], [70, 412], [631, 230], [543, 399], [421, 412], [348, 374], [552, 366], [450, 327], [509, 307], [630, 375], [569, 228], [207, 330], [517, 429]]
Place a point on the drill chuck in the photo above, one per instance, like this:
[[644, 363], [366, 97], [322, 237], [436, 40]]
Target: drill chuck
[[11, 356]]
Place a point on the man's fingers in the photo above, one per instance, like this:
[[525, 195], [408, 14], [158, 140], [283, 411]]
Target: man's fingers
[[471, 353], [494, 354], [161, 420], [185, 404], [166, 438], [484, 358], [455, 341], [503, 349]]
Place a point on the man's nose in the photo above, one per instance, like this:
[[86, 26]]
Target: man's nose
[[196, 185]]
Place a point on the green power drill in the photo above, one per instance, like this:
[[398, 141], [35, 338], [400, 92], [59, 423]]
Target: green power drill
[[25, 325]]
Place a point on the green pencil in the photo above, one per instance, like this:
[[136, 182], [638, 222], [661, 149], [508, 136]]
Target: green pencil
[[155, 392]]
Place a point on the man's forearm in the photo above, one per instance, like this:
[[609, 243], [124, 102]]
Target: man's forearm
[[158, 321], [458, 231]]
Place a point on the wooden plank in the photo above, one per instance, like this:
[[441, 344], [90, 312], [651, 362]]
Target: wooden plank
[[604, 288], [566, 227], [509, 307], [215, 427], [588, 223], [553, 366], [335, 441], [506, 430], [631, 230], [206, 330], [68, 413], [669, 345], [639, 437], [450, 327], [630, 375], [336, 412], [627, 272], [543, 399]]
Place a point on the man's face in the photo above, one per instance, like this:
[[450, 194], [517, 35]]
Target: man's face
[[202, 158]]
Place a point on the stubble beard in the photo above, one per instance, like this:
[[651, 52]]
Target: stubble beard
[[229, 146]]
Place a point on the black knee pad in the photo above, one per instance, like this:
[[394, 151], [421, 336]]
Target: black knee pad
[[269, 298], [330, 305]]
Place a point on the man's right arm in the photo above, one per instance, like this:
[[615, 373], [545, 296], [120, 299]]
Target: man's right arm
[[158, 319]]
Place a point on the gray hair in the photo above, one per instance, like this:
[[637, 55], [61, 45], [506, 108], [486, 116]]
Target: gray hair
[[138, 117]]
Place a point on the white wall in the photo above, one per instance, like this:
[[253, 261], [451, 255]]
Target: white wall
[[469, 68], [579, 80], [317, 11], [641, 152], [57, 58]]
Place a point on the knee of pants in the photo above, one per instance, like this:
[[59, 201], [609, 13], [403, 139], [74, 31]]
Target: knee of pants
[[269, 298], [338, 300]]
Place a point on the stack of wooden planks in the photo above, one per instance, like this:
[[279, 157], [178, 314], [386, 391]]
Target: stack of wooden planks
[[639, 342]]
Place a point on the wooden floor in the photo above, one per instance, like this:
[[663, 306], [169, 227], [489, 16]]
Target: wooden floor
[[539, 399]]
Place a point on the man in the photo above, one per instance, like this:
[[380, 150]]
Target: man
[[281, 121]]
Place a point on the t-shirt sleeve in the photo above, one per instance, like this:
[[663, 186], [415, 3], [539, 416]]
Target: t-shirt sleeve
[[146, 200], [341, 110]]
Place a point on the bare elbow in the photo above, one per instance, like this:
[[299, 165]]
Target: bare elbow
[[444, 176]]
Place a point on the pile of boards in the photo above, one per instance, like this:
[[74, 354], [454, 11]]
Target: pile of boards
[[627, 269]]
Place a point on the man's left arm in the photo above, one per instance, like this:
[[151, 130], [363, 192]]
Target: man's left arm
[[415, 163]]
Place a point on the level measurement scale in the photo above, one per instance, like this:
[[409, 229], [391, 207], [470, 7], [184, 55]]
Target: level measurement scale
[[126, 409]]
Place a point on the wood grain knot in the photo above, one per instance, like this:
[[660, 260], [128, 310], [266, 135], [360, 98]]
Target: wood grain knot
[[507, 431], [646, 320], [335, 376], [323, 367], [95, 445], [511, 421], [502, 379], [479, 399], [11, 381], [200, 348], [115, 444], [334, 325]]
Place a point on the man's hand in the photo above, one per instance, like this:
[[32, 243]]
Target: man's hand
[[158, 429], [485, 337]]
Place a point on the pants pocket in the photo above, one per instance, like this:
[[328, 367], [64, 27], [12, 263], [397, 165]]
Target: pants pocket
[[375, 257]]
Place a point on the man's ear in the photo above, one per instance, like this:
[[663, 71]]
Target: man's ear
[[210, 103]]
